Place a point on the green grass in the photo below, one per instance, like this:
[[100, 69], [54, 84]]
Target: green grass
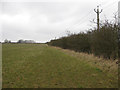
[[42, 66]]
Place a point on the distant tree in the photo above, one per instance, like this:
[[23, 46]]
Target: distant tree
[[20, 41], [9, 41], [6, 41], [25, 41]]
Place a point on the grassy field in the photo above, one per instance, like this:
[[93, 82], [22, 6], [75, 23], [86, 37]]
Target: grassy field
[[42, 66]]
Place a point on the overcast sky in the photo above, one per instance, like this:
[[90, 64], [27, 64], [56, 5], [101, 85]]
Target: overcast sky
[[43, 20]]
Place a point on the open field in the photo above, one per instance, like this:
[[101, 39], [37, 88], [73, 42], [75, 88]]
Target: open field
[[42, 66]]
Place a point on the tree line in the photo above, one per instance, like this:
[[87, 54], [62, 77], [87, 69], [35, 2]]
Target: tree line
[[19, 41], [101, 43]]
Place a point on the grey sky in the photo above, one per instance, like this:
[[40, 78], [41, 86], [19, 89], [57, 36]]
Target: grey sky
[[43, 20]]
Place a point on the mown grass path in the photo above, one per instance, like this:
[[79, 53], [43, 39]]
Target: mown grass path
[[42, 66]]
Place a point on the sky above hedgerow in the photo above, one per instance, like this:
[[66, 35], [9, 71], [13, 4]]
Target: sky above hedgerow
[[43, 20]]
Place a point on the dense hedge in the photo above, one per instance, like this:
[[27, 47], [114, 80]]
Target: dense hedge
[[101, 43]]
